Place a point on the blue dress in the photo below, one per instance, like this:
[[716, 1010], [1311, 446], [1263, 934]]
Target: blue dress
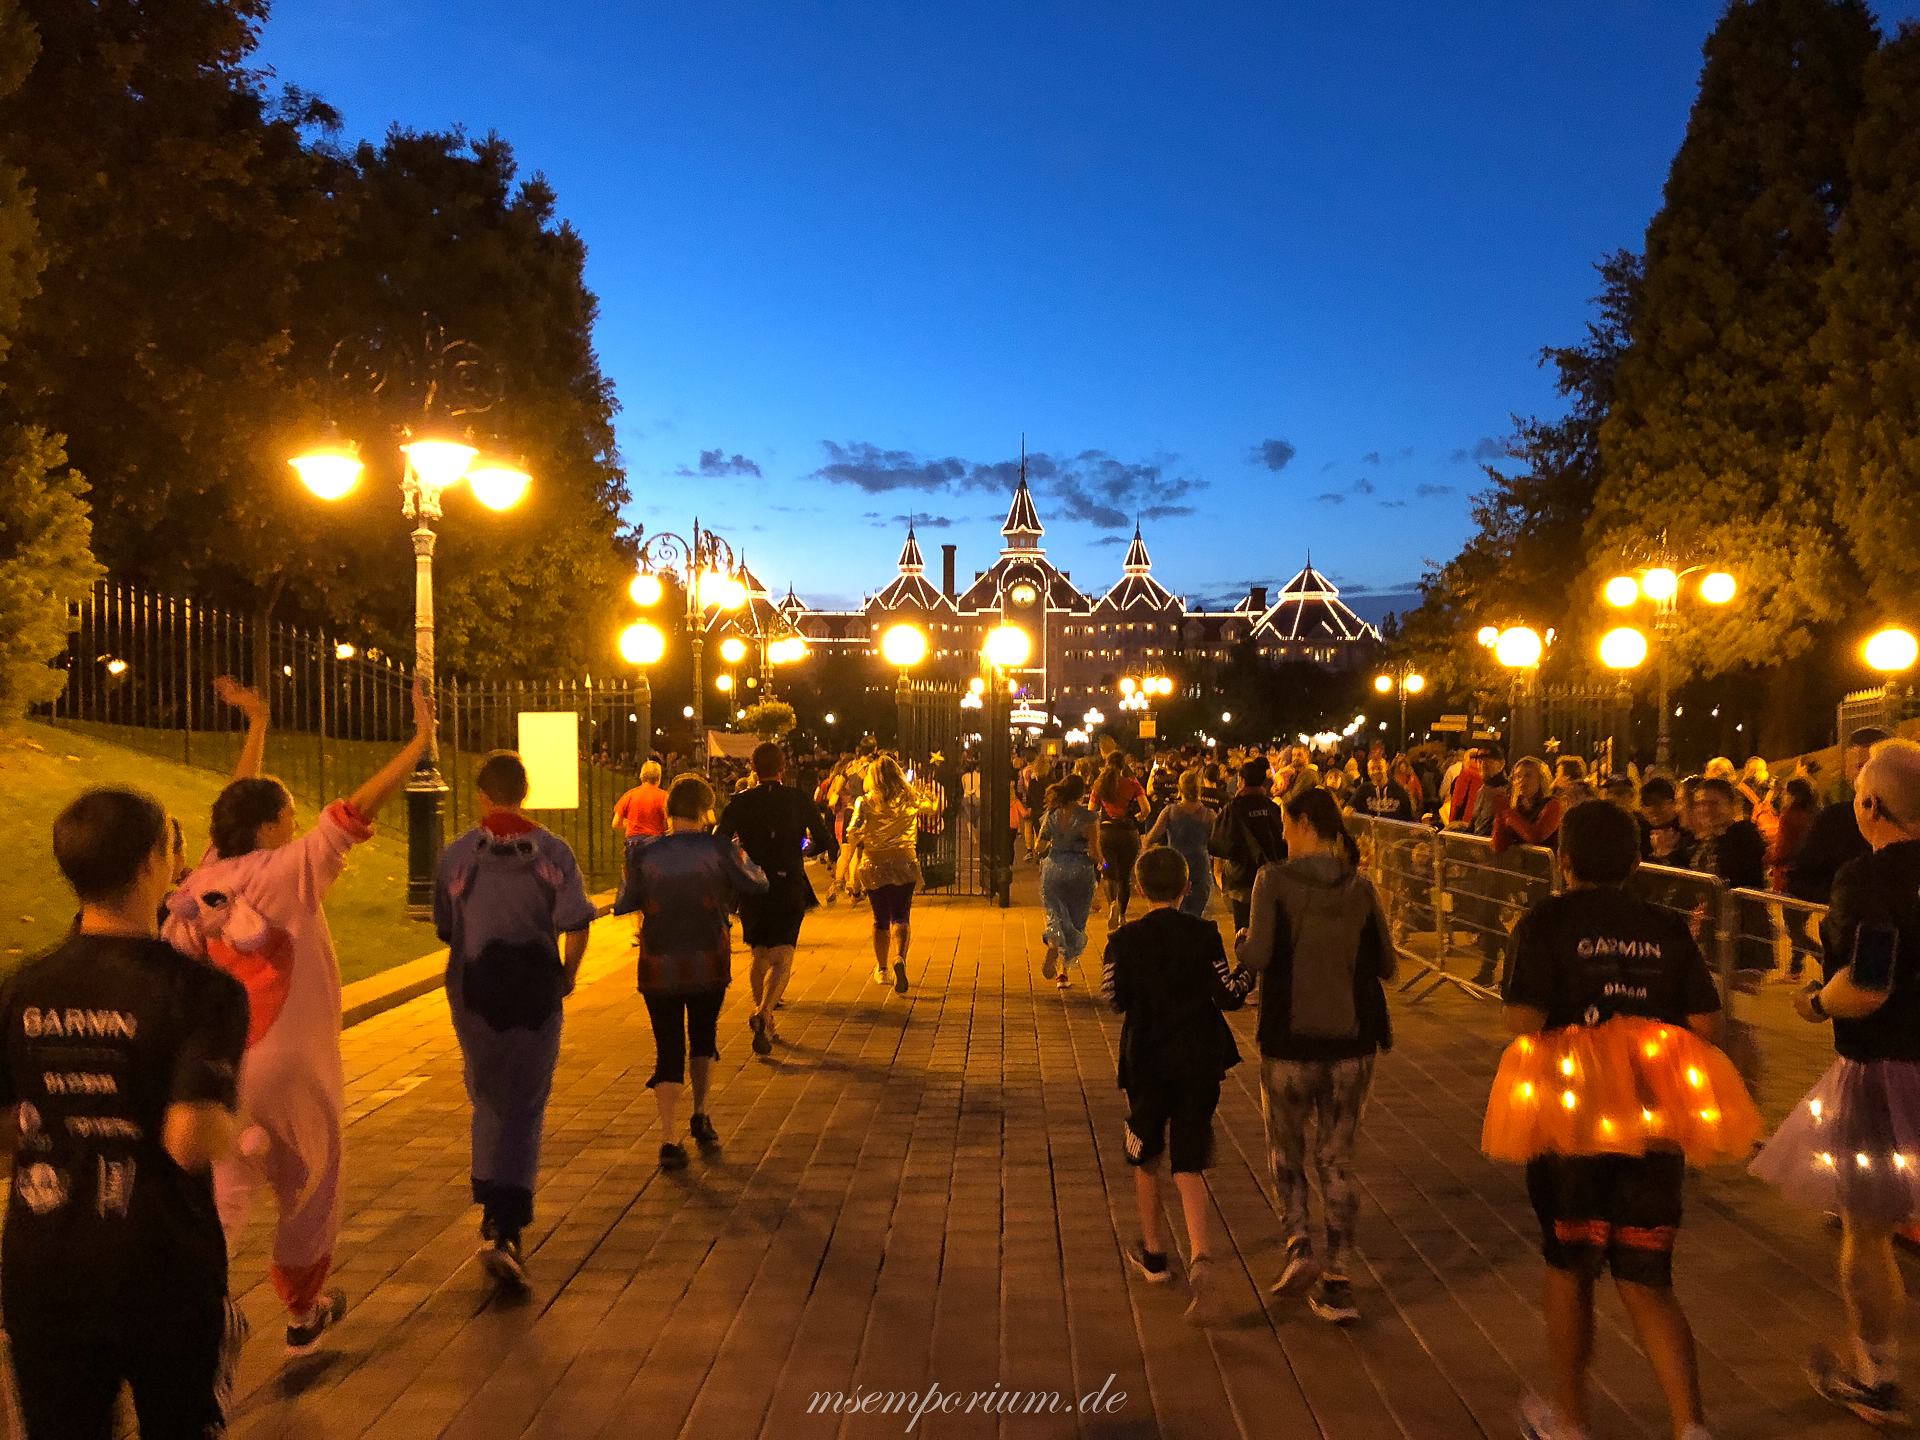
[[1189, 833], [1067, 879]]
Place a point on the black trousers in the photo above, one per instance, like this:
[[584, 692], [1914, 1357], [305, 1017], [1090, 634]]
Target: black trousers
[[181, 1381], [683, 1024], [1119, 849]]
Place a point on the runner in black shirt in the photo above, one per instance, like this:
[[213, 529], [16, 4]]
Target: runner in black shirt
[[118, 1060], [1582, 958]]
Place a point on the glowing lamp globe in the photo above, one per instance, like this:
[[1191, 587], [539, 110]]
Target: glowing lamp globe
[[723, 683], [1892, 650], [722, 591], [439, 464], [645, 589], [1162, 685], [1383, 683], [329, 471], [499, 485], [686, 712], [904, 646], [1009, 647], [1226, 717], [1660, 584], [1487, 635], [1718, 588], [977, 685], [344, 650], [1623, 649], [1415, 684], [642, 643], [1128, 685], [733, 649], [1518, 648], [1622, 591]]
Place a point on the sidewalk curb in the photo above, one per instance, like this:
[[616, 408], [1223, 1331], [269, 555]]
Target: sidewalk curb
[[390, 989]]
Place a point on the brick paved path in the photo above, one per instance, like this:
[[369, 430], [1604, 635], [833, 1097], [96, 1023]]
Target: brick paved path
[[932, 1189]]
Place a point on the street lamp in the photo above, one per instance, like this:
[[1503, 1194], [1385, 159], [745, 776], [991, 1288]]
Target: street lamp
[[1008, 647], [1623, 650], [708, 573], [903, 646], [1519, 649], [1408, 681], [1664, 586], [1891, 651]]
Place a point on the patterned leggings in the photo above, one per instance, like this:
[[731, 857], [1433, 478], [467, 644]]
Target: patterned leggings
[[1329, 1095]]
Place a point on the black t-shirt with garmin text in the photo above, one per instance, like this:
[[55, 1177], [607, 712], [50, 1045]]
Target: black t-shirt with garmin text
[[1597, 952], [106, 1237]]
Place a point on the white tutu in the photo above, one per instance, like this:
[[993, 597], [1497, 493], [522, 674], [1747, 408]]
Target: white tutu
[[1852, 1144]]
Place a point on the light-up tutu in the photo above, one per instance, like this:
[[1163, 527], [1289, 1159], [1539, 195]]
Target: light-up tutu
[[1852, 1144], [1621, 1087]]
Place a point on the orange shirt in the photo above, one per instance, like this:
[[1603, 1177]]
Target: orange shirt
[[644, 809]]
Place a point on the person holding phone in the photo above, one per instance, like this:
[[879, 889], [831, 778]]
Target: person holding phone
[[1852, 1145]]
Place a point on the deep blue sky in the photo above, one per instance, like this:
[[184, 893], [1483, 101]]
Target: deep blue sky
[[850, 252]]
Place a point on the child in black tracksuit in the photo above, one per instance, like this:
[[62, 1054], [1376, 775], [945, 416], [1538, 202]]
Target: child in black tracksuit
[[1167, 973]]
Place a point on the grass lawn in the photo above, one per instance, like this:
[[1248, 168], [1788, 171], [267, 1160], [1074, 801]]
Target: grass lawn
[[41, 768]]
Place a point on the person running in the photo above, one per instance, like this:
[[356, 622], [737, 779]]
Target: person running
[[1852, 1144], [683, 886], [502, 894], [1071, 839], [1604, 1096], [118, 1058], [1121, 802], [642, 811], [884, 824], [1167, 974], [1187, 826], [1319, 943], [774, 823], [1247, 835], [255, 907]]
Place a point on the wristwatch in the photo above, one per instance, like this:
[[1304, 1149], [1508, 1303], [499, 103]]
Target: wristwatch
[[1819, 1009]]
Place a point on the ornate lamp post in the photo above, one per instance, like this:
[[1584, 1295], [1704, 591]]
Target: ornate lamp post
[[1408, 681], [709, 575], [1008, 648], [1664, 586], [1520, 649], [450, 380], [1623, 651]]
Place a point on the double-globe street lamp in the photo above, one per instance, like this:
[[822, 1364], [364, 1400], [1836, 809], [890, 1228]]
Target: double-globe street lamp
[[1407, 681], [712, 580], [1664, 587], [456, 380]]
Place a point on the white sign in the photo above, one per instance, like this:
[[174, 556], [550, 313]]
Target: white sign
[[550, 749]]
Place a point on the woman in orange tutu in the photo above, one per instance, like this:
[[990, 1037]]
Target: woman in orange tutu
[[1605, 1094]]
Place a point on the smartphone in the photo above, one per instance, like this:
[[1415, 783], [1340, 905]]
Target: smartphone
[[1875, 948]]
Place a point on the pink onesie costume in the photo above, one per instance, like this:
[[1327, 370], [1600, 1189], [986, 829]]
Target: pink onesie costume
[[260, 917]]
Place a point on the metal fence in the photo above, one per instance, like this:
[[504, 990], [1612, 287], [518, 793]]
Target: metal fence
[[140, 672], [935, 743]]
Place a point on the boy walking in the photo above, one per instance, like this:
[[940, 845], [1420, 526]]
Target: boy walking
[[119, 1064], [1167, 974], [505, 890]]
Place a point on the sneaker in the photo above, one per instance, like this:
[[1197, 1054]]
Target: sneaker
[[1875, 1404], [1331, 1298], [1151, 1264], [879, 974], [701, 1128], [303, 1335], [1113, 917], [500, 1257], [1297, 1271], [1201, 1285], [1065, 982], [1050, 967], [1540, 1421], [673, 1157], [762, 1041], [900, 976]]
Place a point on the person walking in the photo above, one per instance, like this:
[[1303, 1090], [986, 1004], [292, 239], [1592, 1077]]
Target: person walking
[[1852, 1144], [1834, 837], [1121, 803], [1319, 943], [885, 825], [682, 886], [1247, 835], [642, 811], [114, 1270], [1070, 838], [775, 824], [512, 910], [1187, 826], [256, 907]]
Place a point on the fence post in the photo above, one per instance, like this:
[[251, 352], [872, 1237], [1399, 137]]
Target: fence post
[[1740, 1043], [326, 668], [186, 702], [1442, 902]]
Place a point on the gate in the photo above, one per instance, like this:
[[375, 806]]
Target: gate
[[940, 751]]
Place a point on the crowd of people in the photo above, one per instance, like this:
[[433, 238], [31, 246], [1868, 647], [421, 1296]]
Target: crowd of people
[[180, 1051]]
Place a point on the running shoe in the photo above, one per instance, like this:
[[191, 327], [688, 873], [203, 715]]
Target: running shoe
[[701, 1128], [1540, 1421], [1050, 966], [673, 1157], [1876, 1404], [879, 974], [1331, 1298], [500, 1257], [762, 1042], [1065, 982], [1151, 1264], [1202, 1284], [303, 1335], [900, 976], [1297, 1271]]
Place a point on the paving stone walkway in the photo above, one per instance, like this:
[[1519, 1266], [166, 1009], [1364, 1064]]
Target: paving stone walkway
[[931, 1191]]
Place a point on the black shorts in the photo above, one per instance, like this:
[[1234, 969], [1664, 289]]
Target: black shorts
[[1172, 1117], [767, 921], [67, 1387], [1618, 1212]]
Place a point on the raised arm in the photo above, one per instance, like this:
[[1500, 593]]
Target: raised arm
[[385, 783], [253, 705]]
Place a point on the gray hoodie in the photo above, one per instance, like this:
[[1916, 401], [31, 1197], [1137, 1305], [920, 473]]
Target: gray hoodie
[[1327, 905]]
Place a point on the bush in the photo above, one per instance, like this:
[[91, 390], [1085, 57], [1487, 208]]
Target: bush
[[46, 563]]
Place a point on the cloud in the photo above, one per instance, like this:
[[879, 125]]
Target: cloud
[[1487, 447], [920, 520], [1394, 504], [1275, 454], [1165, 512], [1372, 457], [1331, 497], [717, 464], [1328, 466], [1091, 487], [1377, 457], [1363, 486], [1430, 491], [1106, 540]]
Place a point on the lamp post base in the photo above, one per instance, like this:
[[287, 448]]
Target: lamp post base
[[426, 802]]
